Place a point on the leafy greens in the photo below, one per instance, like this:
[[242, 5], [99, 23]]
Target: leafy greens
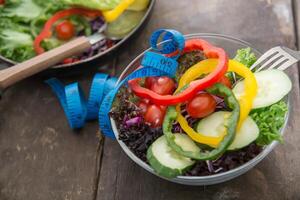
[[20, 10], [94, 4], [269, 121], [22, 20], [16, 41], [245, 56]]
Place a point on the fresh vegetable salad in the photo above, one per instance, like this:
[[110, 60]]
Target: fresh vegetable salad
[[214, 115], [30, 27]]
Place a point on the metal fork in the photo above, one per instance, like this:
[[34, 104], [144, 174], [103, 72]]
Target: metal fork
[[277, 58]]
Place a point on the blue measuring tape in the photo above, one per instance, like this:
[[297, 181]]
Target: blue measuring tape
[[154, 64], [77, 109], [104, 89]]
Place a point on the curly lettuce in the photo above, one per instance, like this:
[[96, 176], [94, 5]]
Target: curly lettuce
[[20, 10], [94, 4], [16, 42], [269, 121], [245, 56]]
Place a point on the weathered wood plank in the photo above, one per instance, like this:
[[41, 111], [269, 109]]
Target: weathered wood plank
[[40, 156], [264, 23], [296, 8]]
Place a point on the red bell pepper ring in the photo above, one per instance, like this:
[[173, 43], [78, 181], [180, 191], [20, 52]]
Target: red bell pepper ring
[[47, 29], [194, 87]]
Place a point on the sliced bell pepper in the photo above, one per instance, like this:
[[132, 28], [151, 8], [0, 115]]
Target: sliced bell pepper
[[193, 87], [112, 15], [47, 29], [245, 101], [232, 103]]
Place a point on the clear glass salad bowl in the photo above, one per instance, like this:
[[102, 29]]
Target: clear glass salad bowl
[[230, 45]]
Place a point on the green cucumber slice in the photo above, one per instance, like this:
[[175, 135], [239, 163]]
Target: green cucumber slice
[[186, 143], [214, 125], [139, 5], [165, 161], [273, 85], [124, 24]]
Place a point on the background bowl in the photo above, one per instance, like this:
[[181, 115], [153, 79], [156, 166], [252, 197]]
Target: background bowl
[[100, 54], [230, 45]]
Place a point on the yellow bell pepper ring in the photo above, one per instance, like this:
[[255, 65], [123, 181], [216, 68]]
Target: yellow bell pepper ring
[[245, 100], [112, 15]]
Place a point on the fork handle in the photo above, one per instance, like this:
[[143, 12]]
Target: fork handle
[[41, 62]]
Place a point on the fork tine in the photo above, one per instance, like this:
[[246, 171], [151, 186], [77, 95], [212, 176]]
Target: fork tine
[[287, 64], [264, 57], [278, 62], [277, 57], [271, 59]]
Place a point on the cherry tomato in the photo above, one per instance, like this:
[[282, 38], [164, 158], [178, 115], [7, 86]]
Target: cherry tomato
[[163, 108], [68, 60], [154, 115], [146, 101], [143, 106], [2, 2], [201, 105], [65, 30], [225, 81], [149, 82], [163, 85]]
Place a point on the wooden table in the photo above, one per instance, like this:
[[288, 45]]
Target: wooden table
[[41, 158]]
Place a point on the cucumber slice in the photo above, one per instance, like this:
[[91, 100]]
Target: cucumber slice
[[124, 24], [186, 143], [139, 5], [273, 85], [214, 125], [165, 161]]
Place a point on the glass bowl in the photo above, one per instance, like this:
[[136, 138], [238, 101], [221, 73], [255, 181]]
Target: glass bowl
[[230, 45]]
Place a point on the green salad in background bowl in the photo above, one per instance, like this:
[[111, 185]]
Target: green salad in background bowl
[[21, 22]]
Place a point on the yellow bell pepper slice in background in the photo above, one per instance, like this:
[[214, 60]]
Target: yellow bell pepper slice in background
[[112, 15], [245, 101]]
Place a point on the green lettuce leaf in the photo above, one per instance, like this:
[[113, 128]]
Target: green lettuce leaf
[[16, 42], [20, 10], [245, 56], [94, 4], [270, 120]]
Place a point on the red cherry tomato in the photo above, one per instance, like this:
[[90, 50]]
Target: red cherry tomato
[[201, 105], [163, 108], [149, 82], [143, 106], [154, 115], [65, 30], [2, 2], [163, 85], [146, 101], [68, 60], [225, 81]]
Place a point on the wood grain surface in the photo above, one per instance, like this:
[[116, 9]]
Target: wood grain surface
[[262, 23], [42, 159]]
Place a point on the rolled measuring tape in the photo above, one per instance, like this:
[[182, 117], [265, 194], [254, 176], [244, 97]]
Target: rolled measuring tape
[[71, 97], [154, 64], [104, 89]]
